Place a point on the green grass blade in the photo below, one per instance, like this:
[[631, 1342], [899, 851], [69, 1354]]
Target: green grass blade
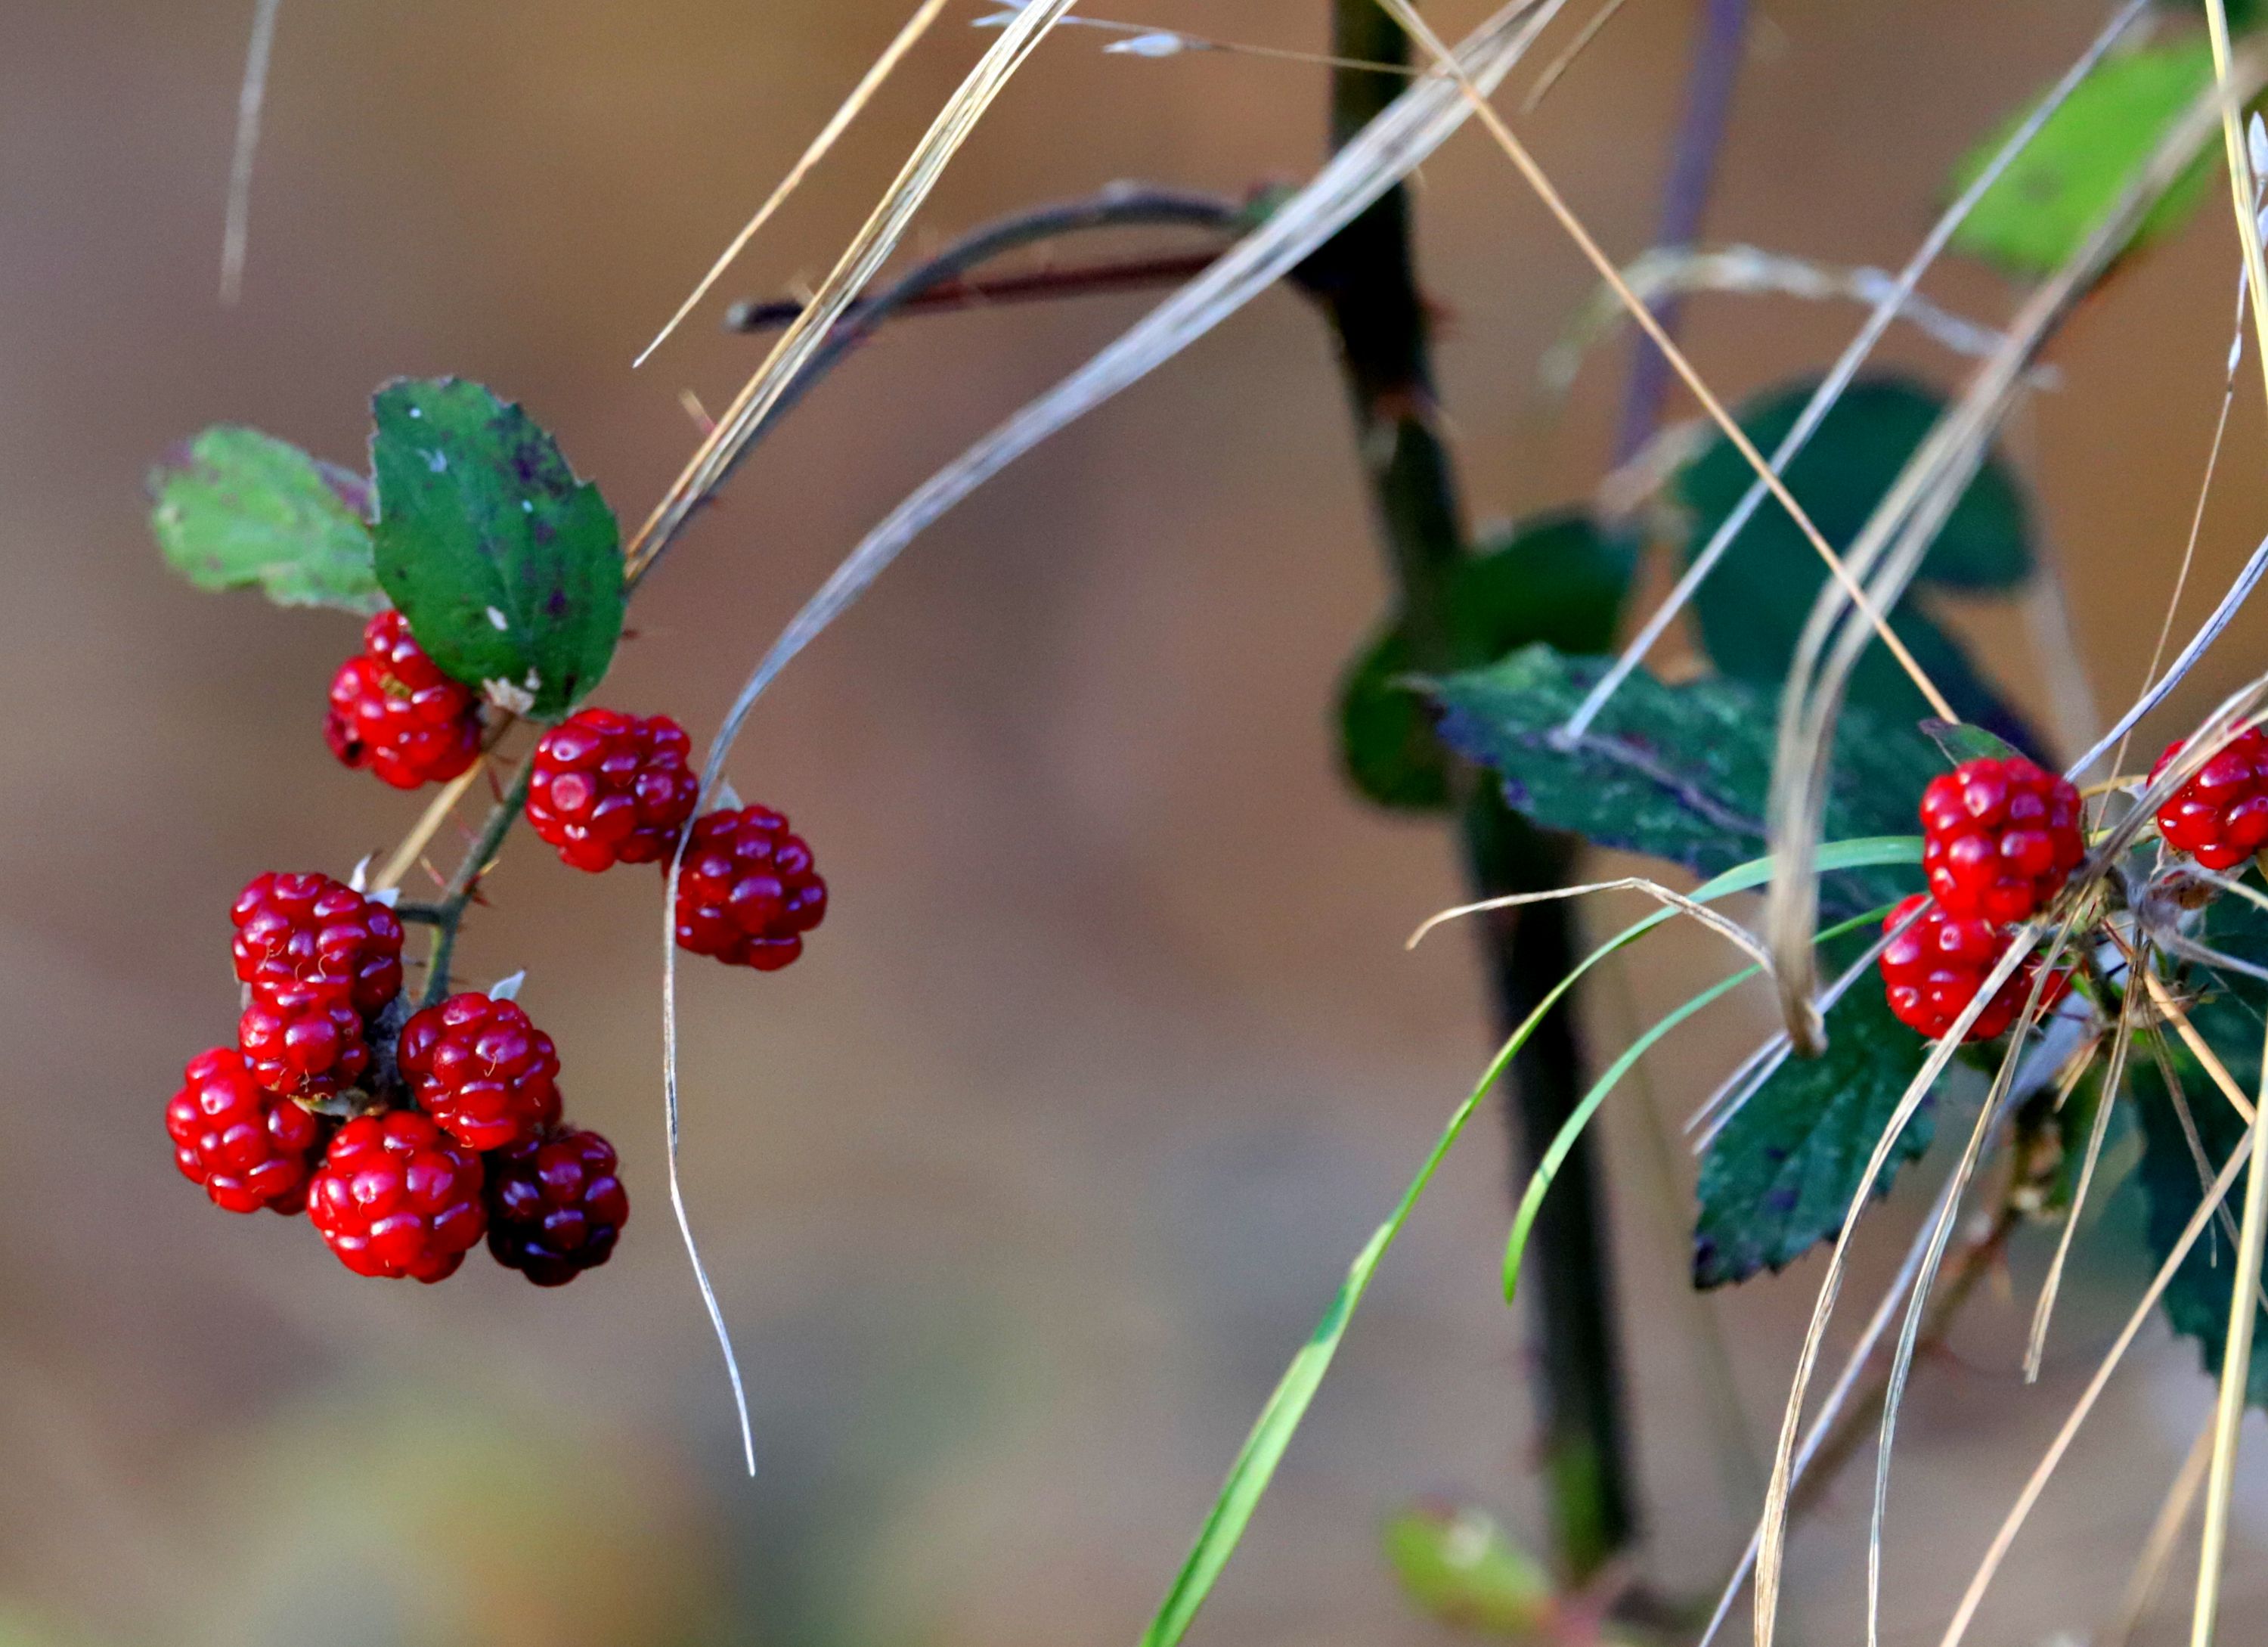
[[1531, 1199], [1254, 1467]]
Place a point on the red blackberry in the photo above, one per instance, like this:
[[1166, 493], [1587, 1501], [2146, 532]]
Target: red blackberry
[[2220, 817], [555, 1204], [746, 893], [1934, 968], [481, 1069], [249, 1148], [393, 710], [1999, 838], [611, 789], [302, 1041], [309, 932], [396, 1196]]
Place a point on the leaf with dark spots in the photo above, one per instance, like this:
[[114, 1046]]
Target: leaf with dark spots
[[508, 566], [1679, 772]]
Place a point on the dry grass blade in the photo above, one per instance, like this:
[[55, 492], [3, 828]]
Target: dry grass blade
[[1846, 366], [2236, 1353], [1998, 1550], [1887, 552], [1941, 1235], [2244, 188], [1830, 1409], [868, 249], [2149, 1574], [251, 96], [1406, 15], [916, 26], [2114, 1073], [1385, 151], [1771, 1546], [429, 823], [1566, 60], [1723, 926]]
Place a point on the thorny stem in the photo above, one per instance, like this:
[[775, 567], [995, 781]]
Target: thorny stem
[[1365, 281], [1119, 206], [447, 914]]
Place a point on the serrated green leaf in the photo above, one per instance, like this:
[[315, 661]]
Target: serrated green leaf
[[1779, 1177], [2080, 162], [2196, 1300], [1456, 1565], [240, 509], [1755, 604], [1556, 577], [1679, 772], [508, 568]]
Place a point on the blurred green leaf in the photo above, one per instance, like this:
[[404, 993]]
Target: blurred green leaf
[[1679, 772], [1753, 607], [237, 508], [2074, 169], [1778, 1178], [1556, 577], [508, 568], [1457, 1566]]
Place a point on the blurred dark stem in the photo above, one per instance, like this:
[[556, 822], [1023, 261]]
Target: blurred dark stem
[[1709, 82], [1366, 282], [447, 914]]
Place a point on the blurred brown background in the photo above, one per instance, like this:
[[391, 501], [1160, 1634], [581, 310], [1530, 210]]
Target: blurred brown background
[[1022, 1187]]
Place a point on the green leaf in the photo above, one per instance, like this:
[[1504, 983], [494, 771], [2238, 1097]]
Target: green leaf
[[2077, 166], [238, 508], [1679, 772], [1457, 1566], [2196, 1300], [1256, 1462], [1556, 577], [1963, 742], [1778, 1178], [509, 568], [1755, 604]]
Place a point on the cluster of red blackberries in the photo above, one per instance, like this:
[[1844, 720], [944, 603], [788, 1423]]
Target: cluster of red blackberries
[[403, 1140], [606, 788], [2000, 837], [405, 1136]]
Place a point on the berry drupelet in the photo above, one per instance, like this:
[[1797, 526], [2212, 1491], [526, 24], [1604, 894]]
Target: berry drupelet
[[555, 1205], [2220, 817], [1933, 969], [393, 710], [746, 892], [481, 1069], [249, 1148], [610, 788], [396, 1196], [2000, 837], [317, 958]]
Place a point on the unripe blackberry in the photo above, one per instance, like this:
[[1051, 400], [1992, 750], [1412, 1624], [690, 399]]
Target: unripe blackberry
[[555, 1205], [309, 932], [249, 1148], [1933, 969], [396, 1196], [393, 710], [746, 892], [610, 788], [481, 1069], [2220, 817], [2000, 837]]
